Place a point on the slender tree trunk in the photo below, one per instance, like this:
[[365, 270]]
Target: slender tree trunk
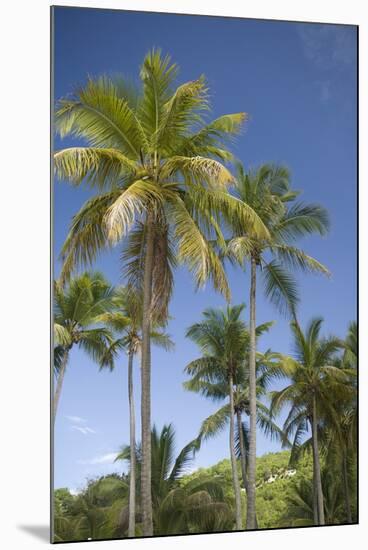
[[346, 487], [317, 466], [236, 484], [315, 497], [131, 528], [60, 380], [243, 459], [251, 493], [146, 495]]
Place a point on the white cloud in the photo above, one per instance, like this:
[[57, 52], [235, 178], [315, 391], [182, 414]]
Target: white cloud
[[85, 430], [107, 458], [79, 425], [76, 419]]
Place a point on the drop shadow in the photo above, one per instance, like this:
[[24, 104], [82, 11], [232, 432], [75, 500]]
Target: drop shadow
[[40, 532]]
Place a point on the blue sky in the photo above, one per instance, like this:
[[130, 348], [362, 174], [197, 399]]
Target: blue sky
[[298, 84]]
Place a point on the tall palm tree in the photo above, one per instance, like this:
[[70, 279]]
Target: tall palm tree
[[311, 372], [213, 385], [125, 320], [348, 410], [337, 434], [76, 311], [267, 191], [196, 506], [157, 168], [341, 426], [221, 337]]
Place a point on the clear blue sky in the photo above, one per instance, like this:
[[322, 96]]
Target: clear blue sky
[[298, 84]]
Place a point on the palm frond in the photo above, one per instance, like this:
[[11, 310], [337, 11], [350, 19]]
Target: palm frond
[[194, 250], [135, 200], [214, 423], [157, 75], [97, 114], [301, 220], [197, 169], [87, 235], [295, 258], [280, 287], [62, 336], [98, 167]]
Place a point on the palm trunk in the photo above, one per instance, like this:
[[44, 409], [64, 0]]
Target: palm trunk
[[236, 484], [146, 495], [60, 380], [243, 460], [346, 488], [251, 493], [315, 498], [317, 466], [131, 528]]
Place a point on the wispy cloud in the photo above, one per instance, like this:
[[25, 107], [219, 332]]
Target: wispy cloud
[[76, 419], [85, 430], [79, 424], [328, 46], [107, 458]]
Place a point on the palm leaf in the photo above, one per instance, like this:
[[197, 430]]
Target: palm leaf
[[280, 286]]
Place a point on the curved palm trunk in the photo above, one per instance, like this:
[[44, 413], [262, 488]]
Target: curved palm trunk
[[131, 528], [146, 495], [346, 487], [243, 459], [60, 380], [251, 493], [236, 484], [317, 467]]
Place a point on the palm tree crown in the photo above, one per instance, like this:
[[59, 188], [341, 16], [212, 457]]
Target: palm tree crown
[[151, 157], [77, 309], [267, 191], [194, 507]]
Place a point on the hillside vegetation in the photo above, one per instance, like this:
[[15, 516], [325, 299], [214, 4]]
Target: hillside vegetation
[[284, 499]]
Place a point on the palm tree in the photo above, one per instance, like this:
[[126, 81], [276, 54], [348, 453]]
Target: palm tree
[[213, 384], [311, 372], [267, 191], [194, 506], [348, 410], [157, 167], [337, 433], [300, 501], [341, 426], [76, 311], [125, 320], [94, 510], [221, 337]]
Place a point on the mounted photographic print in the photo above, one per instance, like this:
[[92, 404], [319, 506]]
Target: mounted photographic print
[[204, 358]]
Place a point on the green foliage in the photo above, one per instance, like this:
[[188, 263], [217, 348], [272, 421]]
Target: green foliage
[[195, 507], [268, 192], [93, 513], [156, 163], [202, 501], [150, 154]]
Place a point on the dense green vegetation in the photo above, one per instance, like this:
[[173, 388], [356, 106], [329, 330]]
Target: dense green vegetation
[[284, 498], [165, 190]]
